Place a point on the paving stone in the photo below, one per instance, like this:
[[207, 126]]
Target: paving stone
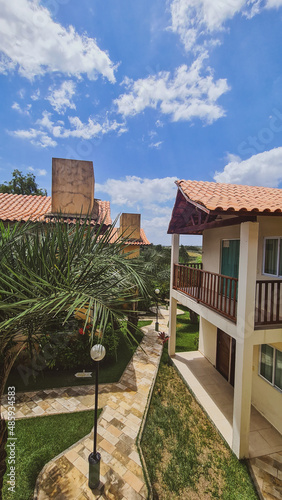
[[123, 405]]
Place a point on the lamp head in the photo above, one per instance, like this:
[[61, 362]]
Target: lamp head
[[97, 352], [157, 291]]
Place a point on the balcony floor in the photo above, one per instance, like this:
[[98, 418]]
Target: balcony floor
[[215, 395]]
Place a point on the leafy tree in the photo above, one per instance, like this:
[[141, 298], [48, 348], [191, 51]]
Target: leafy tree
[[183, 255], [156, 262], [22, 184], [50, 271]]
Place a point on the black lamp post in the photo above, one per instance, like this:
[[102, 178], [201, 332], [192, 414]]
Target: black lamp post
[[157, 291], [97, 353]]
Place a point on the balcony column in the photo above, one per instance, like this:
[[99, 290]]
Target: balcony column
[[244, 341], [173, 302]]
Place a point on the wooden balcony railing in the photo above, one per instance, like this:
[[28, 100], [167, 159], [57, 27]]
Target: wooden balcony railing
[[220, 293], [268, 309], [214, 290]]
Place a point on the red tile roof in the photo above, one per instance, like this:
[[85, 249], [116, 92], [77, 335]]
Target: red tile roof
[[143, 238], [21, 208], [232, 197], [18, 207]]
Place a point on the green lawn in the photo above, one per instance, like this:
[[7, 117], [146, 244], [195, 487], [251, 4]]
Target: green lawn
[[110, 370], [185, 456], [187, 334], [38, 441]]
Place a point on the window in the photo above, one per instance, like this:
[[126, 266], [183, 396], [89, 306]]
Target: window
[[273, 256], [271, 365]]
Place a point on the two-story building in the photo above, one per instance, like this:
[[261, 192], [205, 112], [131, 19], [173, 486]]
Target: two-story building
[[237, 293]]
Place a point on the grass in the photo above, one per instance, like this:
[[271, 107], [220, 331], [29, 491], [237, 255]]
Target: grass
[[187, 333], [185, 456], [110, 370], [38, 441]]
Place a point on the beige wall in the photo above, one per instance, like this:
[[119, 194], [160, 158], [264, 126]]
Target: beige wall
[[212, 246], [268, 226], [207, 340], [265, 397]]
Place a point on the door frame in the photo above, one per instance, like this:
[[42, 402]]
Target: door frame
[[231, 357]]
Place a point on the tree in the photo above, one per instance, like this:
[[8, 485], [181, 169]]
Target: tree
[[50, 271], [156, 262], [22, 184]]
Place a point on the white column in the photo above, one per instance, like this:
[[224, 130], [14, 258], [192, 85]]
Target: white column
[[244, 341], [173, 302]]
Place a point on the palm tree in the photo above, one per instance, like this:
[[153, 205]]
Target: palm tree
[[54, 269]]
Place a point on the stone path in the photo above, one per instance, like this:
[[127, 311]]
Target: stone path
[[267, 475], [124, 408]]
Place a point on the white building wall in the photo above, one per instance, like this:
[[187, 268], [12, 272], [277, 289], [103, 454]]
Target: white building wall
[[207, 340], [268, 226], [212, 246], [265, 398], [247, 362]]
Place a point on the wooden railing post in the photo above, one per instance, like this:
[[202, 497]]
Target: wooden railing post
[[268, 303]]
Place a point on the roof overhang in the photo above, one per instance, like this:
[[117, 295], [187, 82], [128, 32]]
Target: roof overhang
[[190, 217]]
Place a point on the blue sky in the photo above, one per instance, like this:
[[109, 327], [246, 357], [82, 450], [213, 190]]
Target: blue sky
[[149, 91]]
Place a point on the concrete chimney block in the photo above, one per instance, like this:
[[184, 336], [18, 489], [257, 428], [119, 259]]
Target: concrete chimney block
[[130, 226], [72, 186]]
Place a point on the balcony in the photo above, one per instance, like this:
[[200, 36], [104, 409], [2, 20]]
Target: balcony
[[219, 292]]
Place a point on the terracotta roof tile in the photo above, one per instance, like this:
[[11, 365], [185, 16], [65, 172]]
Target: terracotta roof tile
[[17, 207], [232, 197], [143, 238]]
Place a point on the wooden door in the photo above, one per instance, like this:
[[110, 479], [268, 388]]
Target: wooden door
[[225, 356], [232, 359], [223, 353]]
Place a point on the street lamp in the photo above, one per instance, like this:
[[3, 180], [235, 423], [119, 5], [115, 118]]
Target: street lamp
[[97, 353], [157, 291]]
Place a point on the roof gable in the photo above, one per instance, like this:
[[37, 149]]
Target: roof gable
[[232, 197], [199, 205]]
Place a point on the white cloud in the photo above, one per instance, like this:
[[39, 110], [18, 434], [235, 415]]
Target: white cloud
[[263, 169], [22, 111], [194, 19], [38, 171], [78, 129], [156, 145], [136, 190], [159, 123], [36, 137], [45, 121], [153, 198], [270, 4], [156, 229], [36, 95], [35, 44], [186, 96], [61, 98], [21, 93], [87, 130]]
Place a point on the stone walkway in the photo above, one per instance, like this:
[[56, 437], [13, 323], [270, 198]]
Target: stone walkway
[[124, 409]]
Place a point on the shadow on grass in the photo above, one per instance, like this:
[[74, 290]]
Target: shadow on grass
[[185, 456], [187, 333]]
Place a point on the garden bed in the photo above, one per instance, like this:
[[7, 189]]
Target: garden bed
[[111, 368]]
